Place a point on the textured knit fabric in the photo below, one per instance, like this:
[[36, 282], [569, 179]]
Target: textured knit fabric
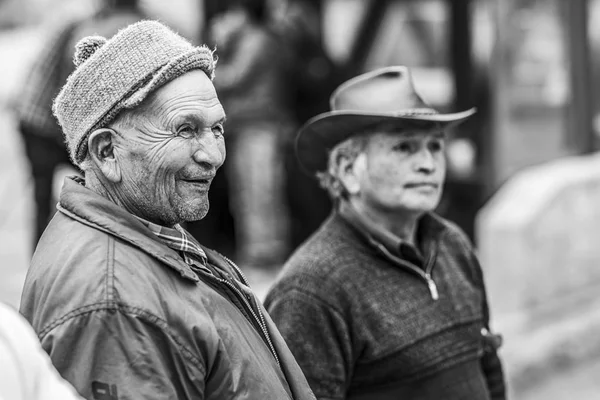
[[123, 316], [363, 326], [377, 234], [179, 240], [119, 73]]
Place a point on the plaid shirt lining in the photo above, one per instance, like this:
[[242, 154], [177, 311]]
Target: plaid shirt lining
[[179, 240]]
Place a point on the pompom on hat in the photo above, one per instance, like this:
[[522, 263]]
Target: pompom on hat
[[386, 95], [115, 74]]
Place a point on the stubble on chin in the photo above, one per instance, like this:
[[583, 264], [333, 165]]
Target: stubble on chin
[[192, 212]]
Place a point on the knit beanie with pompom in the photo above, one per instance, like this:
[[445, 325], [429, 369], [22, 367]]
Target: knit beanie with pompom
[[119, 73]]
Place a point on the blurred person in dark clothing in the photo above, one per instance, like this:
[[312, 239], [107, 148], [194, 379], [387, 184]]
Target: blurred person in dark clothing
[[387, 299], [252, 84], [42, 137], [314, 76]]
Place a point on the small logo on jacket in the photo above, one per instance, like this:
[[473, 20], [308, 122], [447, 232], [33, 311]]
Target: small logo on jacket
[[104, 391]]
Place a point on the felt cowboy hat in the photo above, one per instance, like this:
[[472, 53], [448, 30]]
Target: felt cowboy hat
[[386, 95]]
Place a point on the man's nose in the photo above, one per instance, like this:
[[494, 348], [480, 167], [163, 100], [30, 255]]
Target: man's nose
[[425, 161], [209, 150]]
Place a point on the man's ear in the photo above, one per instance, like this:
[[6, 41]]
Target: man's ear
[[101, 150], [349, 172]]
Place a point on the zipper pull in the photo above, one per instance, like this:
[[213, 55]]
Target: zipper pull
[[432, 288]]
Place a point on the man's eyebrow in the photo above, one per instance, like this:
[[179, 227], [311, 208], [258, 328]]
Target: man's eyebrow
[[192, 116], [413, 135]]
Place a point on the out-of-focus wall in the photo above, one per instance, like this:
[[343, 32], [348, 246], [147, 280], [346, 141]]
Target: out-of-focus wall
[[538, 244]]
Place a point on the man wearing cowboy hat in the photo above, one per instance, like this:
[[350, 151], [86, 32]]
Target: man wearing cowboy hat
[[125, 301], [386, 300]]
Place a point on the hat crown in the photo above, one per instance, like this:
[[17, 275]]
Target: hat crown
[[387, 90]]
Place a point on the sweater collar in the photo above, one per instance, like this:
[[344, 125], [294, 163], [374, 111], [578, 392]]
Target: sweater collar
[[429, 229], [89, 208]]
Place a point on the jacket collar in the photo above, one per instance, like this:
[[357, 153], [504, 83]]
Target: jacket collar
[[89, 208]]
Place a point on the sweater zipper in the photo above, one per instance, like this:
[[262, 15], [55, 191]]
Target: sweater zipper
[[260, 319], [426, 275]]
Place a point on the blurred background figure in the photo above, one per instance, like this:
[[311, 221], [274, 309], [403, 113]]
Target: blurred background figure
[[42, 137], [26, 372], [252, 76], [314, 76], [273, 75]]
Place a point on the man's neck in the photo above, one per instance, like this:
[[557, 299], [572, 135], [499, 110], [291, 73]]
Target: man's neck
[[401, 224], [96, 185], [102, 188]]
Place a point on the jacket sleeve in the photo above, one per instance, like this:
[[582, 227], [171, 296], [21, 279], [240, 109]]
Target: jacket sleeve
[[318, 338], [123, 354]]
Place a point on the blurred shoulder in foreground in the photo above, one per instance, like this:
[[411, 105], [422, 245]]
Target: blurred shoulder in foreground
[[25, 369]]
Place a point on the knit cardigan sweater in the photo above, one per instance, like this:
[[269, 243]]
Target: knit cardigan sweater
[[363, 326]]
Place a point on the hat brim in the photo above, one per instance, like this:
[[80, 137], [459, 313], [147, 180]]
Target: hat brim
[[321, 133]]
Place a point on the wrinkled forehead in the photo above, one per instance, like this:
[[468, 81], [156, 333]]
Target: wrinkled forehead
[[191, 93]]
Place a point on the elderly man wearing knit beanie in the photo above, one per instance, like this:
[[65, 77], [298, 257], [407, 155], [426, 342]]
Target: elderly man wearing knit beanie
[[126, 303]]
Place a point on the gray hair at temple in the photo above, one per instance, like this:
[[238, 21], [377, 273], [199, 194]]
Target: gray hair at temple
[[349, 149]]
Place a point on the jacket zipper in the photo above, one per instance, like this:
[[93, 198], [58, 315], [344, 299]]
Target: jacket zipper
[[261, 321], [426, 275]]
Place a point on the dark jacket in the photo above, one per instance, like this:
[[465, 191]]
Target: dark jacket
[[364, 323], [124, 317]]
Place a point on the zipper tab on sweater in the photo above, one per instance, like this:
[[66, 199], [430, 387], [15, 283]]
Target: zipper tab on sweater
[[432, 287], [433, 290]]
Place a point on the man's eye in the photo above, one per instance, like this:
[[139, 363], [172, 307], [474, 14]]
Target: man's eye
[[404, 147], [436, 146], [218, 130], [186, 131]]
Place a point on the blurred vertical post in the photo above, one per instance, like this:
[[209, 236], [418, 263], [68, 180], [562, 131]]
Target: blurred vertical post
[[465, 193], [461, 53], [500, 68], [581, 114]]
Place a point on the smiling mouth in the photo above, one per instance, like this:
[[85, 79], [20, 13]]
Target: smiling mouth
[[422, 185], [202, 181]]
